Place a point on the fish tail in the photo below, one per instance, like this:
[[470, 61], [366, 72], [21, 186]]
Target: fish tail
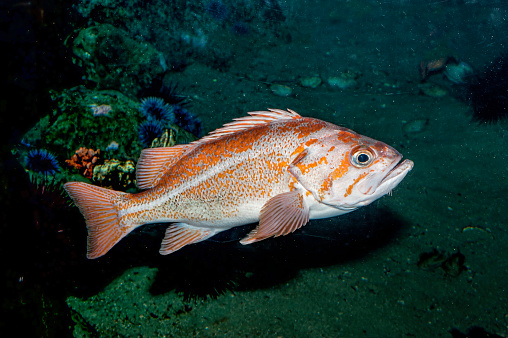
[[99, 206]]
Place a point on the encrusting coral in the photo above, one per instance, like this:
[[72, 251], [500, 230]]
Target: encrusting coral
[[115, 174], [167, 139], [86, 159]]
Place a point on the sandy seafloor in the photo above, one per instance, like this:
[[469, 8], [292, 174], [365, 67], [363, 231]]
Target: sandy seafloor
[[343, 283], [351, 276]]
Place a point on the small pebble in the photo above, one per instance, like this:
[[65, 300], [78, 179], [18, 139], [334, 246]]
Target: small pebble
[[432, 90], [310, 81], [415, 126], [342, 82], [281, 90]]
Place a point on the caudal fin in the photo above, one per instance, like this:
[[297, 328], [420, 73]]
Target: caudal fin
[[100, 210]]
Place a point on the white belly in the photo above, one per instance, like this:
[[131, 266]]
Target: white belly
[[319, 210]]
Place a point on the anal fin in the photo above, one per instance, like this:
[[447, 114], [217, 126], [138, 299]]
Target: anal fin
[[281, 215], [179, 235]]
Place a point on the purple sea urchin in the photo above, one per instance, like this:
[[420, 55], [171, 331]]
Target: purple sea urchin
[[173, 96], [42, 161], [188, 121], [217, 10], [154, 108], [149, 130], [240, 28], [487, 92]]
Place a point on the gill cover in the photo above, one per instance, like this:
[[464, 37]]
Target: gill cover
[[316, 167], [331, 167]]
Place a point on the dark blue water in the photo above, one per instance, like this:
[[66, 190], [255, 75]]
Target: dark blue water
[[428, 78]]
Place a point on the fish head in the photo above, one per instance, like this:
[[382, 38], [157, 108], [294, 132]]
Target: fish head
[[347, 170], [374, 169]]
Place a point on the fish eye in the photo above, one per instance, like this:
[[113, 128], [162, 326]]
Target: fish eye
[[362, 158]]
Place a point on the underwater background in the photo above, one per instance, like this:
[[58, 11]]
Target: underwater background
[[88, 84]]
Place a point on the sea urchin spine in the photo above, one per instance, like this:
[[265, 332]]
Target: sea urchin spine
[[42, 161], [154, 108], [149, 130], [188, 121], [487, 92]]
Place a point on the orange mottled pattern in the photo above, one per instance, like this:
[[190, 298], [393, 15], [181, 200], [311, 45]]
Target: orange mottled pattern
[[217, 180], [335, 174], [273, 167]]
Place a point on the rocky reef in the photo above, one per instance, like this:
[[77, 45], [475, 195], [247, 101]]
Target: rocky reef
[[93, 135], [112, 59]]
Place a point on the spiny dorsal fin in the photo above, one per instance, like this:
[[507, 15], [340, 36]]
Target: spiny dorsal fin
[[255, 119], [153, 163]]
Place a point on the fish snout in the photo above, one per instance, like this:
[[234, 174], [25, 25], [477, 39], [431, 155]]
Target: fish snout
[[388, 160]]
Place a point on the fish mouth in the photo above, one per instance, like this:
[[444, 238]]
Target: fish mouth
[[383, 184], [395, 175]]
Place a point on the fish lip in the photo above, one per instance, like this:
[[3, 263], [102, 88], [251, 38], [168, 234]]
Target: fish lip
[[395, 174], [399, 168], [387, 179]]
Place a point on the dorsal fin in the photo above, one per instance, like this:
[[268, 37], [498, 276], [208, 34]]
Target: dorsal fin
[[154, 162], [255, 119]]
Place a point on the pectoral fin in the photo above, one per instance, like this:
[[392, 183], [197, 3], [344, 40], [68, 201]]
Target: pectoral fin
[[281, 215]]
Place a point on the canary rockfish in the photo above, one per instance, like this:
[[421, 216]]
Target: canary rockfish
[[273, 167]]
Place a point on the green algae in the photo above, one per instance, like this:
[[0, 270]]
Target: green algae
[[75, 123]]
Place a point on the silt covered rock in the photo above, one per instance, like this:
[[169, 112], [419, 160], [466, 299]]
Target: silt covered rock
[[112, 59]]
